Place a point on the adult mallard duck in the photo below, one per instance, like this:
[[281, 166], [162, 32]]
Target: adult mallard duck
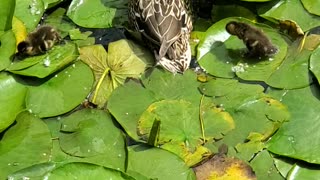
[[166, 26]]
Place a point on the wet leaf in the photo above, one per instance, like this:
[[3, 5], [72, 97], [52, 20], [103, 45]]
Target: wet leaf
[[37, 171], [298, 138], [264, 167], [312, 6], [156, 163], [7, 48], [12, 99], [304, 171], [62, 92], [26, 143], [85, 170], [111, 69], [29, 12], [98, 14], [6, 14], [92, 133], [293, 10], [44, 65], [314, 64]]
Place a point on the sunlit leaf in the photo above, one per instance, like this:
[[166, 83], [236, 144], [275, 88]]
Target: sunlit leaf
[[29, 12], [12, 98], [62, 92], [42, 66], [97, 13], [312, 6], [124, 59], [90, 133], [156, 163], [84, 171], [19, 30], [293, 10], [37, 171], [298, 138], [7, 48], [24, 144]]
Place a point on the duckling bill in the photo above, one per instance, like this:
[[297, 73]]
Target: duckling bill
[[257, 43], [39, 41]]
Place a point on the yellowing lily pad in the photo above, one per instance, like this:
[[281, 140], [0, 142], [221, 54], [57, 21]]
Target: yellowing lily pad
[[124, 59]]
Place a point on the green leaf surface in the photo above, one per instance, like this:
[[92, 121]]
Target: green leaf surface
[[62, 92], [84, 171], [37, 171], [264, 167], [7, 48], [156, 163], [304, 171], [121, 105], [24, 144], [113, 68], [42, 66], [50, 3], [98, 13], [223, 11], [89, 133], [12, 99], [314, 64], [6, 14], [300, 136], [312, 6], [293, 10], [29, 12], [221, 55], [76, 34]]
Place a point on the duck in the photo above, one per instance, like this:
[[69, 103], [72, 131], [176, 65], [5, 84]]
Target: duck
[[165, 26]]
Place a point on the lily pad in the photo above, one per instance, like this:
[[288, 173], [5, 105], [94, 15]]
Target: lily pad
[[156, 163], [315, 64], [12, 99], [298, 138], [37, 171], [97, 13], [7, 48], [62, 92], [111, 69], [29, 12], [42, 66], [92, 133], [24, 144], [6, 14], [84, 170], [312, 6], [293, 10]]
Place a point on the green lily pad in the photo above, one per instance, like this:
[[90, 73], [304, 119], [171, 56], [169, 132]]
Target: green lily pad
[[84, 171], [97, 13], [7, 48], [29, 12], [6, 14], [264, 167], [62, 92], [37, 171], [50, 3], [24, 144], [223, 11], [223, 56], [42, 66], [293, 72], [312, 6], [12, 99], [292, 10], [89, 133], [124, 59], [314, 64], [292, 139], [156, 163], [304, 171]]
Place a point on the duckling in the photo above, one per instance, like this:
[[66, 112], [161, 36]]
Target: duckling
[[165, 25], [258, 44], [39, 41]]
